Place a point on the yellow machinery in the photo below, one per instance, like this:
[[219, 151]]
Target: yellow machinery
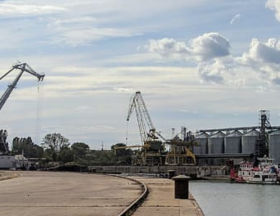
[[180, 155], [153, 150]]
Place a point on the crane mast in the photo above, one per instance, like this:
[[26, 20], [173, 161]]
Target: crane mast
[[23, 67], [143, 118]]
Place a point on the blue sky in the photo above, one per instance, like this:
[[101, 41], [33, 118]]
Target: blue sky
[[198, 64]]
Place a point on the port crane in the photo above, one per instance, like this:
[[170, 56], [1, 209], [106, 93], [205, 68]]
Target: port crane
[[153, 151], [23, 67], [152, 147]]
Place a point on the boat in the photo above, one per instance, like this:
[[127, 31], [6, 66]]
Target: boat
[[266, 172]]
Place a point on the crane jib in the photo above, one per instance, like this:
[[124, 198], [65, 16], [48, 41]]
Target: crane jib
[[23, 67]]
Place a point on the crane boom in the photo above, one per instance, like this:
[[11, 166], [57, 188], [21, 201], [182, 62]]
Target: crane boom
[[23, 67], [143, 118]]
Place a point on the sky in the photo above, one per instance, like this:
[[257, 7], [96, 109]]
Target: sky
[[199, 64]]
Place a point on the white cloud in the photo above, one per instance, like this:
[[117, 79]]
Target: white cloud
[[22, 9], [205, 50], [210, 46], [235, 18], [211, 53], [168, 47], [78, 20], [267, 53], [264, 58], [212, 72], [76, 36], [275, 6]]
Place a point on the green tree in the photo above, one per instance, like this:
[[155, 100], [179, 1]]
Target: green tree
[[66, 155], [54, 143], [80, 149], [27, 147]]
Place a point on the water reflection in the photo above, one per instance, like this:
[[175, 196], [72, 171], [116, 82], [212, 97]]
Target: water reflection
[[226, 199]]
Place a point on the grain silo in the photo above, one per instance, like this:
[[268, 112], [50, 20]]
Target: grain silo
[[233, 142], [249, 142], [274, 146], [216, 143], [202, 141]]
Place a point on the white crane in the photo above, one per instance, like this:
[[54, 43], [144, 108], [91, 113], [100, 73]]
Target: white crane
[[23, 67]]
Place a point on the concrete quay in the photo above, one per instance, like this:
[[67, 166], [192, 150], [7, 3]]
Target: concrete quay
[[161, 200], [78, 194], [65, 194]]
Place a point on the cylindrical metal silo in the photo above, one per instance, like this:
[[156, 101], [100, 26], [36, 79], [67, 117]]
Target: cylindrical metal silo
[[233, 142], [274, 146], [249, 142], [202, 141], [216, 143]]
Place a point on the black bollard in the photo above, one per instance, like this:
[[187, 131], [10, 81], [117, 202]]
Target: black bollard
[[171, 174], [181, 186]]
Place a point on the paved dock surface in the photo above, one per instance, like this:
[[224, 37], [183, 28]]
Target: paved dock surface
[[161, 201], [65, 194]]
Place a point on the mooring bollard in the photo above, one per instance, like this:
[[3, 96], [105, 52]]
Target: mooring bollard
[[181, 186], [171, 174]]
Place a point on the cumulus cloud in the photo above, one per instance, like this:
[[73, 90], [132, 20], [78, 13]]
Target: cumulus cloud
[[168, 47], [205, 50], [264, 58], [267, 53], [275, 6], [215, 71], [209, 46], [235, 18], [211, 53], [210, 72]]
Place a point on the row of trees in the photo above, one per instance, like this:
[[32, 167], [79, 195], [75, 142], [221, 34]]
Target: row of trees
[[55, 147]]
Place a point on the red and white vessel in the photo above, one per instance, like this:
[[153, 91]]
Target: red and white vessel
[[265, 173]]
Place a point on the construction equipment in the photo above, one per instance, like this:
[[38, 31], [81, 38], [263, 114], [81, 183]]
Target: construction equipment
[[23, 67], [152, 148]]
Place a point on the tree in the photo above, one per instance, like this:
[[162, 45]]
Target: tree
[[80, 149], [54, 143], [4, 148], [27, 147], [66, 155]]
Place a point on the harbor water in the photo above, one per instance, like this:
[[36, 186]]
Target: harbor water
[[217, 198]]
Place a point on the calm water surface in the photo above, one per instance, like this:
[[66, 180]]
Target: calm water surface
[[229, 199]]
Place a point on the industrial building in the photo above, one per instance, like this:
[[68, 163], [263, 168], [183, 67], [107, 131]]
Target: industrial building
[[219, 146]]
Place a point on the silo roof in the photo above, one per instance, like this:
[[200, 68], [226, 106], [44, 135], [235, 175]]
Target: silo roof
[[217, 135], [235, 133], [202, 135], [275, 133], [252, 133]]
